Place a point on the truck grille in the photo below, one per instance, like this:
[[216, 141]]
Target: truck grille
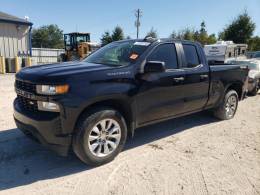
[[25, 86], [27, 104]]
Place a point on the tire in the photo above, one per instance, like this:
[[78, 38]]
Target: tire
[[92, 143], [254, 91], [75, 57], [62, 57], [224, 112]]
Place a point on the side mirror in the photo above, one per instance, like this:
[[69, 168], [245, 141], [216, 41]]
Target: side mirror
[[154, 66]]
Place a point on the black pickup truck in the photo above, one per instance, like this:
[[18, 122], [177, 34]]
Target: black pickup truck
[[92, 105]]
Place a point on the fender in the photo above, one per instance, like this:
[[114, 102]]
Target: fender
[[122, 102]]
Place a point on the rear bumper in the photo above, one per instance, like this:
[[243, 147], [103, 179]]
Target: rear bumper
[[45, 128]]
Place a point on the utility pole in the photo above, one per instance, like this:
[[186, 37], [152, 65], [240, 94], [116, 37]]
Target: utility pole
[[138, 14]]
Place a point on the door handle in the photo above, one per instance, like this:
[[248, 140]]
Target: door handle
[[177, 79], [204, 76]]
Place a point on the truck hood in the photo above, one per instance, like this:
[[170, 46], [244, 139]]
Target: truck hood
[[59, 71]]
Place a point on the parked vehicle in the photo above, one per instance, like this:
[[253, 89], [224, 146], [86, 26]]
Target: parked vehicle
[[254, 54], [224, 50], [77, 46], [93, 104], [254, 74]]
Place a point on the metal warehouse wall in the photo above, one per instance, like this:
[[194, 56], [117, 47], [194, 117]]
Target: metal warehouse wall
[[13, 39]]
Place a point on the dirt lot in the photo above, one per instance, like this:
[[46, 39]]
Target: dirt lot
[[190, 155]]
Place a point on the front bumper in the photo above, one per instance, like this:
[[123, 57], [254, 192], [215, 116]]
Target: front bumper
[[44, 127], [252, 84]]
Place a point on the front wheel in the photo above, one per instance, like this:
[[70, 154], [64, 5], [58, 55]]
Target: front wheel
[[100, 136], [228, 107]]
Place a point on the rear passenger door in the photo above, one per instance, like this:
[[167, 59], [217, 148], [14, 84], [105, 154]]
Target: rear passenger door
[[161, 94], [196, 84]]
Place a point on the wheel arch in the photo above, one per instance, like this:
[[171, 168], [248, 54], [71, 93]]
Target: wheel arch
[[238, 87], [121, 105]]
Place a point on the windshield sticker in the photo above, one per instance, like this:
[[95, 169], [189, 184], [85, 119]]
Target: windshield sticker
[[133, 56], [142, 43]]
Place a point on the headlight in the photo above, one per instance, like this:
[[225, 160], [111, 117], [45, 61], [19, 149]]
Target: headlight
[[52, 89], [48, 106]]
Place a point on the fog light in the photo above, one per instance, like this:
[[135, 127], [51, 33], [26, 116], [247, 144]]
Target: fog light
[[48, 106]]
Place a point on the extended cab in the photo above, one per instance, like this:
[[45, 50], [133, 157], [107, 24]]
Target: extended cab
[[93, 104]]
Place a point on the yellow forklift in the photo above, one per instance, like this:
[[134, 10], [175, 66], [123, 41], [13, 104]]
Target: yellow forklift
[[77, 46]]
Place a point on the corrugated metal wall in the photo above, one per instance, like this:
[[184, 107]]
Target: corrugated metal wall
[[45, 55], [14, 39]]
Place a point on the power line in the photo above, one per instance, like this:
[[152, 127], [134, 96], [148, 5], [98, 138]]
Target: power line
[[138, 14]]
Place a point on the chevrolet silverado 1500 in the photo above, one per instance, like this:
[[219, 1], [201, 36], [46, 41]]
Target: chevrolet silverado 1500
[[92, 105]]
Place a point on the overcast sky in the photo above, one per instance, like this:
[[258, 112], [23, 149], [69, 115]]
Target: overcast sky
[[164, 15]]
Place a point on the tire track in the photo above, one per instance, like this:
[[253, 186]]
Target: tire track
[[240, 179], [198, 182]]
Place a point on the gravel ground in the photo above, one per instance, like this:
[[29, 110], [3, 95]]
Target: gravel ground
[[196, 154]]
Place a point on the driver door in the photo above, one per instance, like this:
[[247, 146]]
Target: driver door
[[160, 94]]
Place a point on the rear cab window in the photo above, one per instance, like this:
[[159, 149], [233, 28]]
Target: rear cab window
[[191, 55], [165, 53]]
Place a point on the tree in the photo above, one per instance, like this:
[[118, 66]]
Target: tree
[[49, 36], [173, 35], [203, 35], [188, 34], [221, 35], [196, 36], [183, 34], [211, 39], [106, 38], [254, 44], [240, 30], [200, 35], [117, 34], [152, 33], [203, 28]]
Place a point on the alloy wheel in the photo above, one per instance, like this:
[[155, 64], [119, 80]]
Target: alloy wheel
[[231, 106], [104, 137]]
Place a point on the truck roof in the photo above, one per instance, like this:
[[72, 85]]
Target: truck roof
[[152, 40]]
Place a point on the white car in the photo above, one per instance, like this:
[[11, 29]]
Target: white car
[[255, 54], [253, 75]]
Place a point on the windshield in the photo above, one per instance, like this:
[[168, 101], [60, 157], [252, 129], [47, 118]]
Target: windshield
[[118, 53], [251, 65]]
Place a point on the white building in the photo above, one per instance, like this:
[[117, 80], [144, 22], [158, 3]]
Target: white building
[[15, 36]]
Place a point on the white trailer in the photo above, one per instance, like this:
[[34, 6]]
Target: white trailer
[[222, 51]]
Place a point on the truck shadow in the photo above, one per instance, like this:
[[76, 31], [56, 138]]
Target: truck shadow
[[23, 162]]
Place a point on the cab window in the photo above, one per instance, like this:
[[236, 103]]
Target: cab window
[[165, 53], [191, 56]]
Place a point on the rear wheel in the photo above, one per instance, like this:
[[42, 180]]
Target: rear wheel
[[100, 136], [228, 107]]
